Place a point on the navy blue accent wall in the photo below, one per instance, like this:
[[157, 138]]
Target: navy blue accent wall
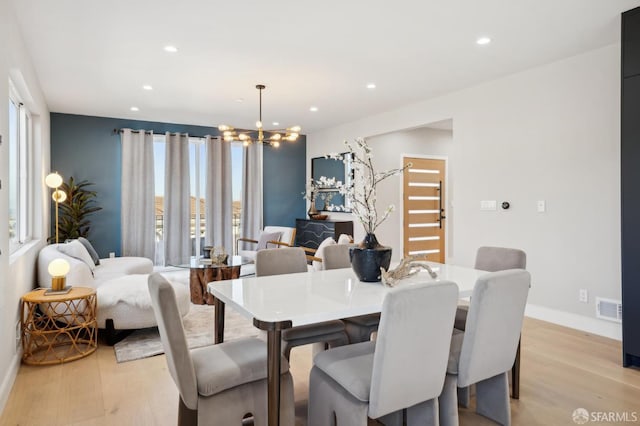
[[284, 174], [86, 148]]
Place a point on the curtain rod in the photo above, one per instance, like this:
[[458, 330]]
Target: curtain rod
[[116, 131]]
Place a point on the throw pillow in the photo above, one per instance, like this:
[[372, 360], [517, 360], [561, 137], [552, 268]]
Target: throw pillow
[[265, 237], [345, 239], [92, 252], [76, 250], [319, 266]]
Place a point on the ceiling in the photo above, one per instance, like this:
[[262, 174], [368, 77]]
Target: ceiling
[[93, 57]]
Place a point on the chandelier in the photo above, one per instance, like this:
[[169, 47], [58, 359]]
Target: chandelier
[[269, 137]]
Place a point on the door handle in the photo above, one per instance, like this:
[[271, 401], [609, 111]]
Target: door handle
[[441, 217]]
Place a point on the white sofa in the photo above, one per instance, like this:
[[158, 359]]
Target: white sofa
[[124, 302]]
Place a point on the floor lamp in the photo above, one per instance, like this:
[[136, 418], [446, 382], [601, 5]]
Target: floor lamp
[[54, 181], [58, 268]]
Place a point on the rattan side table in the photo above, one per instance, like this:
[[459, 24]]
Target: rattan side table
[[58, 328]]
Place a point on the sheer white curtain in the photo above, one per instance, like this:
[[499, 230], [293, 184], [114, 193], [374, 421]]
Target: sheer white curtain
[[177, 200], [252, 191], [218, 196], [138, 194]]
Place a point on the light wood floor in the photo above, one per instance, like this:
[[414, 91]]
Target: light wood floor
[[562, 369]]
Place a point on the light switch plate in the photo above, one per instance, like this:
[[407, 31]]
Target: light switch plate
[[542, 206], [488, 205]]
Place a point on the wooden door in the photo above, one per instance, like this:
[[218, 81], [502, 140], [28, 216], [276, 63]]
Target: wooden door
[[424, 208]]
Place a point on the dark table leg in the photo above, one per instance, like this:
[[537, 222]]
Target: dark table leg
[[274, 358], [218, 324], [273, 376]]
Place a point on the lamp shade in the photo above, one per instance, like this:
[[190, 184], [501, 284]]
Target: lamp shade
[[53, 180], [59, 196], [58, 268]]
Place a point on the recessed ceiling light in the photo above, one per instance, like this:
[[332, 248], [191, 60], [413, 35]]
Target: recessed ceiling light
[[483, 40], [240, 100], [275, 123], [371, 86], [147, 87], [170, 49], [135, 108], [313, 109]]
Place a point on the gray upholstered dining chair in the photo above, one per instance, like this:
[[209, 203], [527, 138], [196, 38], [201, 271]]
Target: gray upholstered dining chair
[[218, 384], [336, 256], [493, 259], [291, 260], [484, 352], [394, 373], [360, 328], [286, 260]]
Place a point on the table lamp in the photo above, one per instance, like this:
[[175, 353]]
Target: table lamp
[[53, 181], [58, 269]]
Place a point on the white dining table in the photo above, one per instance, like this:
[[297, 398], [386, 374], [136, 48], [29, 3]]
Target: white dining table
[[278, 302]]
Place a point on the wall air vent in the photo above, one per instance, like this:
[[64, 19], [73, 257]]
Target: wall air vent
[[609, 309]]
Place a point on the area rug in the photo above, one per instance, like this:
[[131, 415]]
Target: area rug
[[198, 325]]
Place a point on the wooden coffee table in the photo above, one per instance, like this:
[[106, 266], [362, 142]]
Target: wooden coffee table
[[202, 272]]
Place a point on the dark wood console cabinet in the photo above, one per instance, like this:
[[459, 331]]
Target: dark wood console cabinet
[[630, 182], [310, 233]]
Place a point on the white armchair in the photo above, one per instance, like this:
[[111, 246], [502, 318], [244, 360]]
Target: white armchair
[[270, 237]]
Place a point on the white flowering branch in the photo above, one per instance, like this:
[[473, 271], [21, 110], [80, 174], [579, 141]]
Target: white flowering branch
[[362, 193], [310, 190], [315, 187]]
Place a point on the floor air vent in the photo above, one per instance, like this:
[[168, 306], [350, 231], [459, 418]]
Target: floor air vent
[[609, 309]]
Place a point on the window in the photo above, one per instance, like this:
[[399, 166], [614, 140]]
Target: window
[[197, 184], [158, 177], [237, 153], [19, 163], [198, 178]]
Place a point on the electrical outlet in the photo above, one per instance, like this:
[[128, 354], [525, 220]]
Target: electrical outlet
[[112, 254], [583, 295]]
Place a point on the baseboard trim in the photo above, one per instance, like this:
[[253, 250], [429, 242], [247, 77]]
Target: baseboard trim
[[597, 326], [8, 380]]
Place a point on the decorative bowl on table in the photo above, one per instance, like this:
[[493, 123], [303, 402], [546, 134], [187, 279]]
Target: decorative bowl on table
[[319, 217], [219, 255]]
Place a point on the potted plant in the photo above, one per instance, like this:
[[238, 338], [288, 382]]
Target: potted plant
[[74, 211]]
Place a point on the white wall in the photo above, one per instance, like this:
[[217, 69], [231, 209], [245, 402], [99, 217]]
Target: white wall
[[550, 133], [389, 149], [17, 272]]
